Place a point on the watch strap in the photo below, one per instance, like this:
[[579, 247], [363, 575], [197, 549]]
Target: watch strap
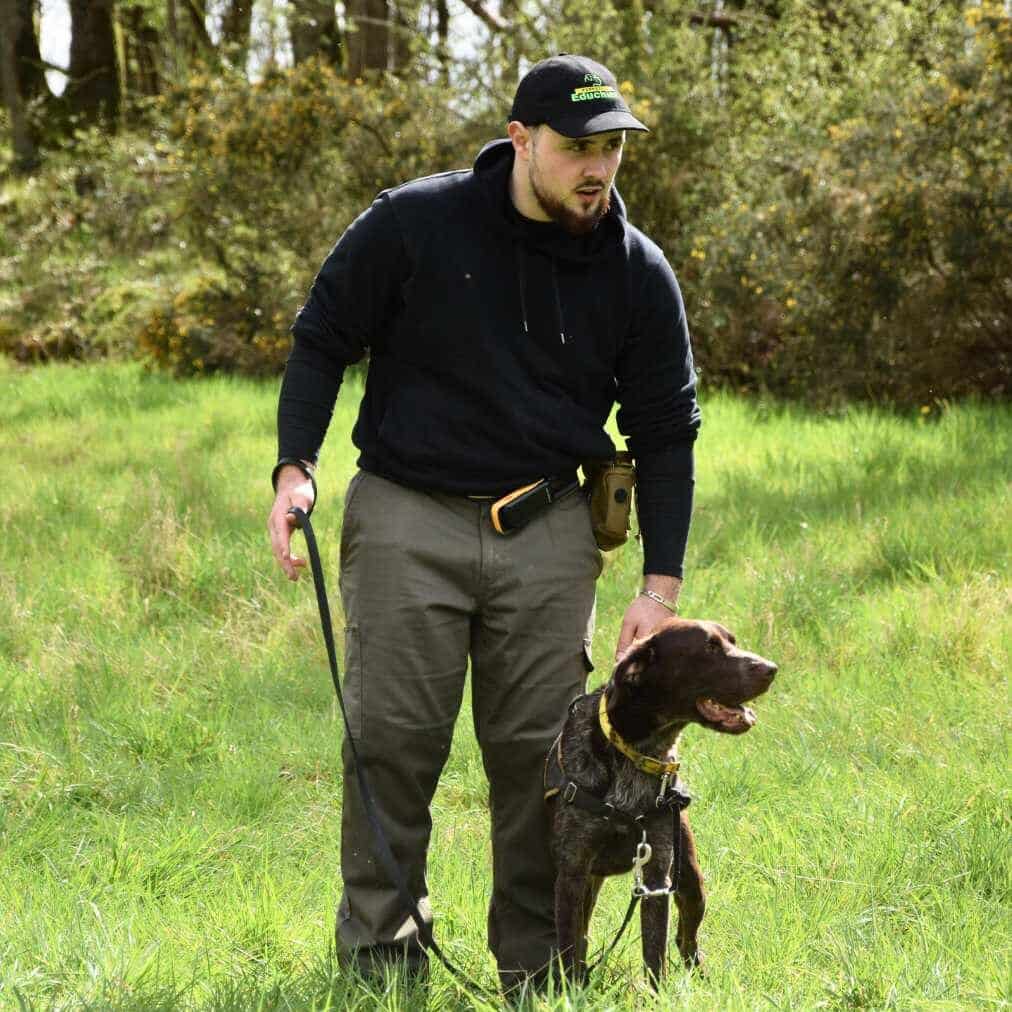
[[306, 469]]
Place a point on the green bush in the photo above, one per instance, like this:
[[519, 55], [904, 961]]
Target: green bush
[[81, 247], [208, 327], [877, 262], [268, 176]]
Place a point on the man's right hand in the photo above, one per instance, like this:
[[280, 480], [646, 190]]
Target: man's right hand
[[294, 489]]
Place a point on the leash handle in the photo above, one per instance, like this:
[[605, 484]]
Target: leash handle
[[383, 848]]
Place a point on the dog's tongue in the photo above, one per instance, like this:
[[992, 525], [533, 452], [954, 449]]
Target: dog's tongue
[[729, 719]]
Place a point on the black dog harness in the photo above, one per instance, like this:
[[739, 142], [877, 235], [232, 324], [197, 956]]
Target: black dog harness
[[670, 797]]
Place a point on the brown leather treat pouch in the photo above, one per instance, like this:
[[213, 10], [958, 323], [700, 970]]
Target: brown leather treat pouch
[[611, 494]]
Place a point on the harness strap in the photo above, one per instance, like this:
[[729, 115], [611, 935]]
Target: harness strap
[[557, 782], [383, 849]]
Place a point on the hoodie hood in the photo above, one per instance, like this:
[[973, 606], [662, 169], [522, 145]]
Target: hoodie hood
[[541, 248], [492, 168]]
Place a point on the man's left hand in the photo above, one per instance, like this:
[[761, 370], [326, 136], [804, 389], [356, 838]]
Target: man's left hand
[[645, 614]]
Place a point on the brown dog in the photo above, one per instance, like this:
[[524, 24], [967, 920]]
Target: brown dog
[[606, 785]]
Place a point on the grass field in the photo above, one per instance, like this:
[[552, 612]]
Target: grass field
[[169, 778]]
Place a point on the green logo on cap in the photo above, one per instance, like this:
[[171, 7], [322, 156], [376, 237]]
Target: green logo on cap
[[591, 92], [592, 79]]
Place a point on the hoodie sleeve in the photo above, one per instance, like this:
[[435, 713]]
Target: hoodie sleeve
[[659, 416], [353, 300]]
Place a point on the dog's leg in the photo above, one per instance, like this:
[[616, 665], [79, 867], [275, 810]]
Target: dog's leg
[[690, 897], [654, 915], [571, 890], [654, 931], [589, 902]]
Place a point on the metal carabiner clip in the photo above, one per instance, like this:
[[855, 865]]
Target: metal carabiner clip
[[643, 854]]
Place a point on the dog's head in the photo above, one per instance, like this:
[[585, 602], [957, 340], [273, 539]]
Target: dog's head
[[689, 671]]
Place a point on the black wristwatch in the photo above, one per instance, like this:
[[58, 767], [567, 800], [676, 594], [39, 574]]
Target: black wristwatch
[[306, 469]]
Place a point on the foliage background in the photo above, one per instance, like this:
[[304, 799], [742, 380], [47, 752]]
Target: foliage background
[[833, 188]]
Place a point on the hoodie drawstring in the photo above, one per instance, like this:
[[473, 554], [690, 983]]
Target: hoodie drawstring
[[518, 250], [560, 318]]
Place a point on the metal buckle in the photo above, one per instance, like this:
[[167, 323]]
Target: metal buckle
[[659, 800], [569, 792]]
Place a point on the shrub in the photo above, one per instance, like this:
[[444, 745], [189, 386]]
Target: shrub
[[269, 176]]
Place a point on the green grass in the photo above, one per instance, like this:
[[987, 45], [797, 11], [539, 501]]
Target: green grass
[[169, 780]]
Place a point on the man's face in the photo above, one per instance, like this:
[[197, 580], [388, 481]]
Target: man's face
[[571, 177]]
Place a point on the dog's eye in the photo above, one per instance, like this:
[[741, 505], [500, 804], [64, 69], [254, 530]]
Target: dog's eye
[[714, 646]]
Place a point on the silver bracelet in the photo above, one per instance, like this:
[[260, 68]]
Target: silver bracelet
[[654, 596]]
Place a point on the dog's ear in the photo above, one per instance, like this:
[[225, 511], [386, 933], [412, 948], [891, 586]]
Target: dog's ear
[[630, 669]]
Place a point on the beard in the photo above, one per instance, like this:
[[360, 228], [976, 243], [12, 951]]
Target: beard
[[576, 223]]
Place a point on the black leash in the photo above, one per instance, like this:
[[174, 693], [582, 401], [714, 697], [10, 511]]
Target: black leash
[[603, 958], [384, 851]]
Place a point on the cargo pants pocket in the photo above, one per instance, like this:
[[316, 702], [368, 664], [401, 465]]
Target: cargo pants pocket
[[352, 684]]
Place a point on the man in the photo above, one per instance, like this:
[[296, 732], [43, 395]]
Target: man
[[504, 309]]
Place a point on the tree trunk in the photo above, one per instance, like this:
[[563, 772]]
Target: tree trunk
[[93, 87], [195, 38], [442, 45], [25, 154], [31, 76], [405, 19], [368, 44], [312, 25], [235, 31], [508, 48], [141, 46]]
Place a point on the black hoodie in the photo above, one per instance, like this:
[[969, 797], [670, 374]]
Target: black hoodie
[[497, 347]]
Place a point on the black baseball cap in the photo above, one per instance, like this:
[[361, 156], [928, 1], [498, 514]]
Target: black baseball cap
[[574, 95]]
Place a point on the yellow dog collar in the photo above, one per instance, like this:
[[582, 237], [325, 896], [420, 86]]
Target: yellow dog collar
[[655, 767]]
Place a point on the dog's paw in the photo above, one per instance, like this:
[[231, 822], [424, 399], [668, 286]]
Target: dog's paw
[[694, 962]]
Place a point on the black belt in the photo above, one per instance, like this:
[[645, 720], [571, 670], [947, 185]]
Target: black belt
[[518, 508], [556, 485]]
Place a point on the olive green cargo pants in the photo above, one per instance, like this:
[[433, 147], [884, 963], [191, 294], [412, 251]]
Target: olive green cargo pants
[[427, 583]]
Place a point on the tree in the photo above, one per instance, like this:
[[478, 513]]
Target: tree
[[235, 31], [25, 154], [93, 91], [312, 25], [369, 44], [30, 72], [142, 51]]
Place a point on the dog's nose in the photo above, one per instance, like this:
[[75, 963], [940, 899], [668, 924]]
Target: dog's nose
[[764, 668]]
